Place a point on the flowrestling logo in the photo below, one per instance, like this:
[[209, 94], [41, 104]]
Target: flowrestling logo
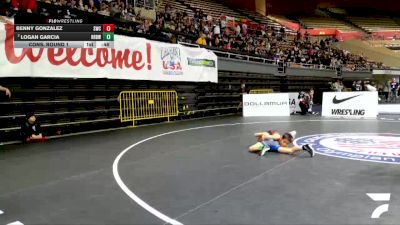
[[373, 147]]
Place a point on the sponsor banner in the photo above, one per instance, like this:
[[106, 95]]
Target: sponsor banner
[[348, 36], [131, 59], [386, 72], [338, 34], [389, 108], [287, 23], [372, 147], [350, 104], [386, 35], [294, 102], [319, 32], [275, 104]]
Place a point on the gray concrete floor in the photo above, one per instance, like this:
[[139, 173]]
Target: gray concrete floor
[[202, 176]]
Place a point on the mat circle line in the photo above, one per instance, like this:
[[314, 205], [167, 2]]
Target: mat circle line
[[161, 215]]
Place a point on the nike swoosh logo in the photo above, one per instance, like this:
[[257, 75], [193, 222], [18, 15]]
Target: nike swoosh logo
[[337, 101]]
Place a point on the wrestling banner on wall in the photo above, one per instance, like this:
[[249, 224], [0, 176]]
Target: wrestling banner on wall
[[131, 59], [359, 104]]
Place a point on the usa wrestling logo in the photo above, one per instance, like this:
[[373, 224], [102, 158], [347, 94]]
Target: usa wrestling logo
[[382, 148], [171, 61]]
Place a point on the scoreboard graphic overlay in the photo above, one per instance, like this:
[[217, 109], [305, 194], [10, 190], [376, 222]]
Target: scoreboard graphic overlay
[[62, 33]]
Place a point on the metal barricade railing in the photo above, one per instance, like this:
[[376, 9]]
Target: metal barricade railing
[[237, 56], [261, 91], [189, 44], [142, 105]]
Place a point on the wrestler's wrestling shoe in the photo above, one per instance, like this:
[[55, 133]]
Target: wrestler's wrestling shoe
[[264, 150], [308, 149], [293, 133]]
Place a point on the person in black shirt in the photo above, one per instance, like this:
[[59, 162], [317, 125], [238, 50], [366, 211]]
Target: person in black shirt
[[153, 30], [357, 86], [305, 101], [394, 87], [30, 129]]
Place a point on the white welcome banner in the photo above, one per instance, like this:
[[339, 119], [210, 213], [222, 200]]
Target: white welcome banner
[[131, 59]]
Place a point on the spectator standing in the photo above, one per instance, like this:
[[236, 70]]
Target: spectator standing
[[238, 30], [206, 28], [223, 23], [311, 93], [304, 103], [353, 86], [386, 89], [398, 91], [6, 90], [357, 86], [394, 88], [338, 86], [201, 40], [153, 30], [370, 86], [217, 29], [244, 28]]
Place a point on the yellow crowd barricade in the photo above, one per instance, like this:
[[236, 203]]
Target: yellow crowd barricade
[[261, 91], [142, 105]]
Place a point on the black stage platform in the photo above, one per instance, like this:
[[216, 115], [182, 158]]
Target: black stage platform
[[199, 172]]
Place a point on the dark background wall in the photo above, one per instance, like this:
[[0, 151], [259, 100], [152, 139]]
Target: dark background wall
[[248, 4]]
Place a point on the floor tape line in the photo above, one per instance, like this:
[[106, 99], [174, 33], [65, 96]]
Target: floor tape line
[[161, 215]]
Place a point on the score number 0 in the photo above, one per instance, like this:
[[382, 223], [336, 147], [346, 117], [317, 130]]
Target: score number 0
[[108, 27], [108, 32]]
